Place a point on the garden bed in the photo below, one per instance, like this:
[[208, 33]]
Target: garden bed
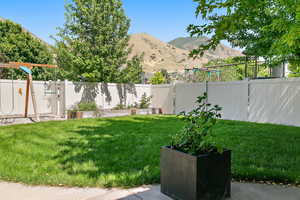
[[112, 113], [125, 151]]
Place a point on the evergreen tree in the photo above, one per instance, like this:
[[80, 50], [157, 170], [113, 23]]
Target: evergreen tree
[[93, 44]]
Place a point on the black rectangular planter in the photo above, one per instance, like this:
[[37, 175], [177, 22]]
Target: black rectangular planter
[[188, 177]]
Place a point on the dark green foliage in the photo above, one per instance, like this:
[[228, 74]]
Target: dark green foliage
[[18, 45], [197, 137], [93, 44], [87, 106], [268, 28], [134, 70]]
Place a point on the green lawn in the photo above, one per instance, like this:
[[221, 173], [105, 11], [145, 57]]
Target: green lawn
[[125, 151]]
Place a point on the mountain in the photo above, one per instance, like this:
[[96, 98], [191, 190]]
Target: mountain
[[190, 43], [174, 56], [160, 55]]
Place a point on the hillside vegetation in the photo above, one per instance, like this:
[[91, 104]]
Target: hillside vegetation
[[190, 43]]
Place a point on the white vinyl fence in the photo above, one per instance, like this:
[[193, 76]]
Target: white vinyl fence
[[186, 95], [267, 101], [275, 101], [12, 98], [163, 97], [232, 97], [106, 96]]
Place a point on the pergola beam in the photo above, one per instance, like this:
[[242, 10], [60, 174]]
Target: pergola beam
[[7, 65], [16, 65], [30, 65]]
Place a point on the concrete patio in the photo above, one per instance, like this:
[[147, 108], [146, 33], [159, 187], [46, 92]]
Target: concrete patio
[[240, 191]]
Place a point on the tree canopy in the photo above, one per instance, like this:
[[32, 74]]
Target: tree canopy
[[93, 44], [133, 72], [268, 28], [16, 44]]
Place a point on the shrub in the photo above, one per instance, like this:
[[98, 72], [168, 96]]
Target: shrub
[[158, 78], [143, 104], [87, 106], [119, 107], [145, 101], [197, 137]]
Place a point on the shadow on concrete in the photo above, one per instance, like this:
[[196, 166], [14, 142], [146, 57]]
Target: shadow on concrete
[[240, 191], [147, 193]]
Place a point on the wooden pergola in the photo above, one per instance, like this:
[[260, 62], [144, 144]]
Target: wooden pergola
[[29, 85]]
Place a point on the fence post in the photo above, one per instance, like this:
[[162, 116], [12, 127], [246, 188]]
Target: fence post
[[62, 98], [53, 86], [206, 91], [174, 97], [248, 93], [206, 87]]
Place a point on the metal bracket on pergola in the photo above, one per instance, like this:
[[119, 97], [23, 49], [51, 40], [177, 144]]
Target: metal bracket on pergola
[[26, 67]]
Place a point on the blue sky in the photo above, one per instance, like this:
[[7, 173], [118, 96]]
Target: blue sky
[[164, 19]]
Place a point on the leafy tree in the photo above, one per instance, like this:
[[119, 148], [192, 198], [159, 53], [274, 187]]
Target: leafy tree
[[268, 28], [158, 78], [17, 44], [134, 70], [93, 44]]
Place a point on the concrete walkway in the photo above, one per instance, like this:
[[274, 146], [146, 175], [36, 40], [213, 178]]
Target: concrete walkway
[[240, 191]]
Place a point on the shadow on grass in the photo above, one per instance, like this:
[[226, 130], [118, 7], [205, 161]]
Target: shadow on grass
[[118, 152]]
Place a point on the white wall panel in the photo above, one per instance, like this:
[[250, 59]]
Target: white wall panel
[[275, 101], [232, 97], [163, 97], [186, 95]]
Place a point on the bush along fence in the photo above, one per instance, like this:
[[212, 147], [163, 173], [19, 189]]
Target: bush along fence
[[267, 101]]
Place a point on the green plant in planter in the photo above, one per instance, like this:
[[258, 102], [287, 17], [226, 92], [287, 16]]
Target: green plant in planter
[[119, 107], [87, 106], [197, 137]]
